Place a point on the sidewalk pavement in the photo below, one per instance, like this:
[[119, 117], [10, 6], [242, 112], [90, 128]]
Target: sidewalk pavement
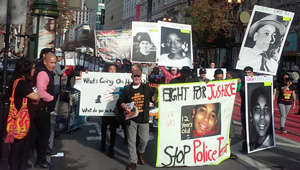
[[4, 160]]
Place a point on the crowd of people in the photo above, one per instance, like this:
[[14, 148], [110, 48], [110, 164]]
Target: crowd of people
[[40, 85]]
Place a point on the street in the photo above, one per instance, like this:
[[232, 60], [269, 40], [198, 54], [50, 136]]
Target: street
[[81, 150]]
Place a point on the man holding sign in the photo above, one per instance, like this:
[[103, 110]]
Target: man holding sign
[[141, 95]]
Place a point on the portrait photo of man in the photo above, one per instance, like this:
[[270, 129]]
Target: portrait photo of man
[[144, 50], [263, 45], [260, 117]]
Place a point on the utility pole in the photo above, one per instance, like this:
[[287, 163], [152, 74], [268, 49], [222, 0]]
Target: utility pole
[[6, 50]]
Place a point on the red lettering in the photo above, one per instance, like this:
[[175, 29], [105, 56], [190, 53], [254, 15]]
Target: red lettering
[[203, 155], [222, 149], [232, 89], [212, 91]]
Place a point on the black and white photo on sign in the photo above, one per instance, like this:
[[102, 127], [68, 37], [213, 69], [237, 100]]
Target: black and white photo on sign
[[70, 58], [175, 45], [145, 40], [260, 126], [264, 39]]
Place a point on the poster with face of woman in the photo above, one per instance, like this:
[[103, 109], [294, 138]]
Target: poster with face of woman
[[145, 40], [259, 113], [175, 45], [46, 33], [264, 39]]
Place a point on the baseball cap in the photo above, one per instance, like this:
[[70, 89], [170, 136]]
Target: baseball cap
[[202, 71], [173, 68], [186, 71], [136, 72]]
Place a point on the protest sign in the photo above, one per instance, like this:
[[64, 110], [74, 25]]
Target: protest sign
[[145, 40], [100, 92], [194, 121], [175, 45], [210, 72], [74, 120], [259, 113], [264, 39], [114, 44], [70, 58]]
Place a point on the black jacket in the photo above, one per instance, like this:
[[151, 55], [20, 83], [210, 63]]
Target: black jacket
[[126, 98]]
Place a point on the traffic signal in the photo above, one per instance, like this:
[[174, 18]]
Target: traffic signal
[[73, 24]]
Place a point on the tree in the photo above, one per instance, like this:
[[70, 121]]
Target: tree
[[65, 17], [213, 22]]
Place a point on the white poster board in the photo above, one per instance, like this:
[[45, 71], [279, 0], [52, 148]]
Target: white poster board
[[100, 92], [70, 58], [46, 33], [264, 39], [194, 121], [144, 42], [210, 72], [175, 45], [259, 113]]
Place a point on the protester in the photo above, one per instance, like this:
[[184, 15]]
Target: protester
[[44, 81], [155, 76], [141, 95], [218, 75], [110, 121], [212, 64], [169, 75], [260, 119], [249, 72], [19, 149], [202, 77], [285, 98], [58, 72], [186, 76]]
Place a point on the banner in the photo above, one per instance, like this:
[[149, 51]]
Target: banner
[[114, 44], [264, 39], [175, 45], [259, 113], [46, 33], [194, 122], [100, 92], [145, 40]]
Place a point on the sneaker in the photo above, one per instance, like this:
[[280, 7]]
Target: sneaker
[[283, 130], [53, 113], [232, 156]]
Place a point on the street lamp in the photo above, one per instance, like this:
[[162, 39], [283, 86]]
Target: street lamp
[[236, 1]]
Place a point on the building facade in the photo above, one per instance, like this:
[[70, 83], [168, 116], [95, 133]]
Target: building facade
[[168, 10], [113, 15]]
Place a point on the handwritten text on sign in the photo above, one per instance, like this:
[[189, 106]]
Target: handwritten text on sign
[[183, 111]]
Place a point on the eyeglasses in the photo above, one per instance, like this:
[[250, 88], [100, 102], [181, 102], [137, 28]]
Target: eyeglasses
[[136, 76]]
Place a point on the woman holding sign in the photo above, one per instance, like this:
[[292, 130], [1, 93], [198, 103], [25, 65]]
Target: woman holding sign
[[286, 97]]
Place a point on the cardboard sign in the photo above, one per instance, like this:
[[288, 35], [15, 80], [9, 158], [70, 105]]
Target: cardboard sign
[[259, 113], [194, 122], [100, 92]]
